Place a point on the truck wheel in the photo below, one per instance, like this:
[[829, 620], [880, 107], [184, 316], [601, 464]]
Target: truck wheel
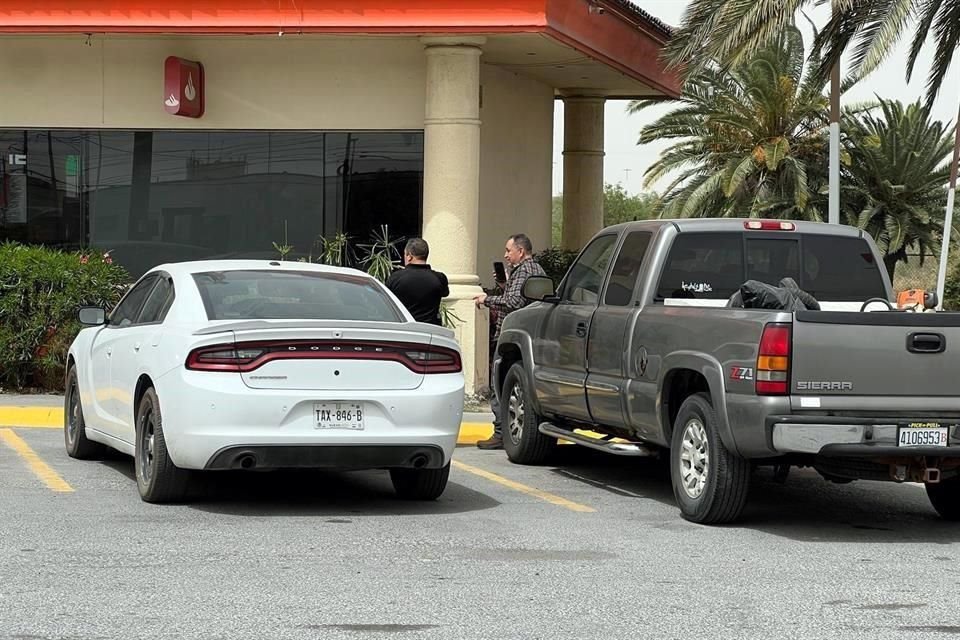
[[945, 498], [709, 483], [522, 440]]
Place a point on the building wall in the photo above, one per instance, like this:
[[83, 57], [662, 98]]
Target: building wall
[[263, 82], [293, 82], [516, 162]]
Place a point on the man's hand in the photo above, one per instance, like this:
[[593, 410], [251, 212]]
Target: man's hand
[[480, 299]]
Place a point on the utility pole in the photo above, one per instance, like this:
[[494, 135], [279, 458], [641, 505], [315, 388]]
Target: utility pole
[[626, 178], [834, 210], [948, 219]]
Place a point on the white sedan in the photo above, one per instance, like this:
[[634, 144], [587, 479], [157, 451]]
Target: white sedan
[[248, 364]]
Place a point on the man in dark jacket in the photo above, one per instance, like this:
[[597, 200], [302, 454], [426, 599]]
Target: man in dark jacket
[[419, 287]]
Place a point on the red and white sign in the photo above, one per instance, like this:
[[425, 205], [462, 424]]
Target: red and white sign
[[183, 87]]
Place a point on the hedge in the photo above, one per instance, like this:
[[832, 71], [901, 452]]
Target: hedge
[[40, 292]]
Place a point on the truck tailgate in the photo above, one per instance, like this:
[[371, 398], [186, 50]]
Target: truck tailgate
[[876, 354]]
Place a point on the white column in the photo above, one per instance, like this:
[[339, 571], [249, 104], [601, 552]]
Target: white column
[[582, 169], [451, 187]]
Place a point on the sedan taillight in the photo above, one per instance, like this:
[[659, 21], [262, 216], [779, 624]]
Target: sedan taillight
[[247, 356]]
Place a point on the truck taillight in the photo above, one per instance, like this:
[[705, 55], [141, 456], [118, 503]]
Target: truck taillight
[[769, 225], [773, 362]]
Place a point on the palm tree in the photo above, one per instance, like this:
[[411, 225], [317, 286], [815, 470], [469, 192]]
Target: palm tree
[[894, 182], [732, 30], [750, 141]]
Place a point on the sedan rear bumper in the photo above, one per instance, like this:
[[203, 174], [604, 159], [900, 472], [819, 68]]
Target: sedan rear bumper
[[345, 457]]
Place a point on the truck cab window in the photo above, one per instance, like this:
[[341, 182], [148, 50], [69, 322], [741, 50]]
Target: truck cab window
[[703, 266], [626, 269], [583, 283]]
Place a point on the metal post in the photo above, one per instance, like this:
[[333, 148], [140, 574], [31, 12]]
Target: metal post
[[834, 211], [948, 219]]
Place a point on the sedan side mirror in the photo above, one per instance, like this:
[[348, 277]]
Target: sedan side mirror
[[539, 289], [92, 316]]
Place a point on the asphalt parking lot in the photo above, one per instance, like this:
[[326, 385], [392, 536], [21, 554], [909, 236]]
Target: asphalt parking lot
[[593, 548]]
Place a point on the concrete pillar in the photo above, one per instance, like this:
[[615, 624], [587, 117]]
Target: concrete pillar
[[451, 187], [582, 169]]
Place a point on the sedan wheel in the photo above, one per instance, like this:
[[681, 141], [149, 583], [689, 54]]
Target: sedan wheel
[[74, 428], [158, 479]]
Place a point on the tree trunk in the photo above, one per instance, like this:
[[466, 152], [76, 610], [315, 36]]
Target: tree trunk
[[890, 261]]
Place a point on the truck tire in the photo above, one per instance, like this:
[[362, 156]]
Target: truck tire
[[710, 483], [522, 440], [945, 498]]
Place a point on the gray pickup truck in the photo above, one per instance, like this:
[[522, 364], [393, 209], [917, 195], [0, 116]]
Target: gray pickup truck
[[640, 351]]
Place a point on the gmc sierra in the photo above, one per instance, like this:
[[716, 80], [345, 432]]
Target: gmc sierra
[[642, 346]]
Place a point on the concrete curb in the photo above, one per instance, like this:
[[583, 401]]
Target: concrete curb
[[473, 428]]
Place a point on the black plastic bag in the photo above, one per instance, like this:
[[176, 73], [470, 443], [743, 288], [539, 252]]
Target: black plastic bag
[[754, 294]]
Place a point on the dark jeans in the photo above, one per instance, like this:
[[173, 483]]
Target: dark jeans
[[494, 395]]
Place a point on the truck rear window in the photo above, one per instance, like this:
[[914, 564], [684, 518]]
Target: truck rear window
[[712, 266]]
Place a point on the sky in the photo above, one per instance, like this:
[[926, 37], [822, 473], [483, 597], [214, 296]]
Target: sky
[[625, 161]]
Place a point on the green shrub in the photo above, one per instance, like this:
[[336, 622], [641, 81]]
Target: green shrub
[[951, 290], [40, 292], [556, 262]]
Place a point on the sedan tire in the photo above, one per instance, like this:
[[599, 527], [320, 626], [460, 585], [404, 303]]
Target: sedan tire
[[420, 484], [158, 479], [74, 427]]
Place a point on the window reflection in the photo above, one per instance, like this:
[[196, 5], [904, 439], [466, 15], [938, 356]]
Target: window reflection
[[163, 196]]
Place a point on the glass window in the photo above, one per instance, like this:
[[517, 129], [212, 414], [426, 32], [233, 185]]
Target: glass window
[[152, 197], [129, 308], [703, 266], [262, 295], [840, 269], [626, 269], [156, 307], [41, 195], [830, 268], [771, 260], [583, 282], [375, 176]]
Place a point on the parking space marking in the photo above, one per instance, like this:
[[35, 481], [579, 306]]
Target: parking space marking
[[522, 488], [34, 417], [39, 468]]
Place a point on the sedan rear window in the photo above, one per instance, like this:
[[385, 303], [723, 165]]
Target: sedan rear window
[[293, 295]]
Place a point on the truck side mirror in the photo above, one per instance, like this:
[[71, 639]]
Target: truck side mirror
[[539, 289]]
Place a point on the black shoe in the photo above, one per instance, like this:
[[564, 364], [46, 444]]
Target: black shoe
[[494, 442]]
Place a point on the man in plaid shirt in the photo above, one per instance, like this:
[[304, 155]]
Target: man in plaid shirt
[[518, 254]]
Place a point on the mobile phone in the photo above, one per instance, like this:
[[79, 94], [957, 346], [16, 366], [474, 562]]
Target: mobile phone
[[499, 271]]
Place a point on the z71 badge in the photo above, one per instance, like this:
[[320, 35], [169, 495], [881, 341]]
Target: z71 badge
[[741, 373]]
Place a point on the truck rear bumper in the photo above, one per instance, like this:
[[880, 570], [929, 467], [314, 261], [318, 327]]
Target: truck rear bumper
[[855, 437]]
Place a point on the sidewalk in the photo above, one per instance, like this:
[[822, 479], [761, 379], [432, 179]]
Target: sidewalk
[[46, 412]]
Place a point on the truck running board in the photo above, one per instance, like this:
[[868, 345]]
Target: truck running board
[[616, 448]]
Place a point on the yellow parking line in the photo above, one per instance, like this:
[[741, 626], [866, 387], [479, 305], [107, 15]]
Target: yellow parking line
[[40, 468], [35, 417], [522, 488]]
